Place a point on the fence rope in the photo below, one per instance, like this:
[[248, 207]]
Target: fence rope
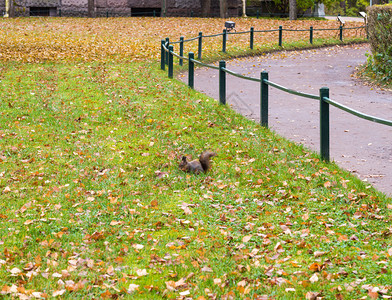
[[168, 52], [357, 113], [290, 91]]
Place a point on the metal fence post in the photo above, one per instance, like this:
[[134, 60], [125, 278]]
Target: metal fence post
[[170, 71], [280, 35], [257, 14], [224, 40], [167, 53], [163, 55], [200, 45], [181, 50], [252, 33], [324, 124], [341, 33], [191, 70], [311, 35], [222, 82], [264, 100]]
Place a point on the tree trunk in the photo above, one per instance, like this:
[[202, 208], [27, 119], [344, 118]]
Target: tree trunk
[[206, 8], [244, 9], [7, 8], [343, 5], [293, 9], [91, 8], [223, 8]]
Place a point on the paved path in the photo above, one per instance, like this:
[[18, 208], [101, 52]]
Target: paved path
[[346, 19], [360, 146]]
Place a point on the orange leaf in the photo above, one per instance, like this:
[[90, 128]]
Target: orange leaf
[[315, 267]]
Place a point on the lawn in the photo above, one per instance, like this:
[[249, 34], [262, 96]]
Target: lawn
[[93, 204]]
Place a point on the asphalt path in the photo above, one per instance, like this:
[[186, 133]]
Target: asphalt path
[[360, 146]]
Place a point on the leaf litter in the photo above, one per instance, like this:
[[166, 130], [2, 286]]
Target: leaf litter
[[84, 212]]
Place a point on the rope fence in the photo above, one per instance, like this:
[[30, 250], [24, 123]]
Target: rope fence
[[167, 54]]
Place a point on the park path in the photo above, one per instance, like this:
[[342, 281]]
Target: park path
[[362, 147]]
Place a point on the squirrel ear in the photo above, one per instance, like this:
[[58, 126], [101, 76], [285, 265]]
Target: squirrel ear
[[184, 158]]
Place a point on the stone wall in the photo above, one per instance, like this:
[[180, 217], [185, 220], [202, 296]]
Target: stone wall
[[43, 3], [101, 8], [74, 8], [2, 7]]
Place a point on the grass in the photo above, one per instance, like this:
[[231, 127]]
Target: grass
[[368, 74], [93, 204]]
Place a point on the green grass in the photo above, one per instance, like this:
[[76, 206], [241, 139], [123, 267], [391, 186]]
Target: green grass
[[369, 74], [91, 192]]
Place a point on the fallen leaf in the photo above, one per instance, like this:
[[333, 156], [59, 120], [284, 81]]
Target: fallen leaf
[[318, 253], [186, 210], [246, 238], [206, 269], [312, 295], [110, 270], [314, 278], [132, 287], [15, 271], [137, 246], [315, 267], [185, 293], [170, 285], [141, 272], [58, 293], [114, 223]]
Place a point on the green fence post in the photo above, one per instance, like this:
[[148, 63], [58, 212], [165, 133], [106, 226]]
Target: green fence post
[[191, 70], [170, 71], [222, 82], [264, 100], [200, 45], [324, 124], [181, 49], [311, 35], [341, 33], [59, 12], [107, 14], [153, 13], [280, 35], [163, 55], [257, 14], [224, 36], [167, 53], [252, 33]]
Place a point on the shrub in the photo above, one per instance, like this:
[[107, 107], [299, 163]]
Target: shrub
[[380, 38]]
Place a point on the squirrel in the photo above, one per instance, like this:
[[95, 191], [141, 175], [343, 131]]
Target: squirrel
[[201, 165]]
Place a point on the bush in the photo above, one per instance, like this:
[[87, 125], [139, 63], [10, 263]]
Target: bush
[[345, 8], [380, 38]]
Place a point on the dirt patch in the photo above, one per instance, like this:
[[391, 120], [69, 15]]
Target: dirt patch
[[362, 147]]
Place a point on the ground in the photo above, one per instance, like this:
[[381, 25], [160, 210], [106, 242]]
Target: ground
[[93, 204]]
